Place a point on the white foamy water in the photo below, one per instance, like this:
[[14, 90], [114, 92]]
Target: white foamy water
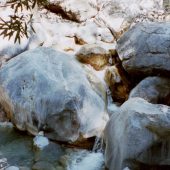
[[85, 160]]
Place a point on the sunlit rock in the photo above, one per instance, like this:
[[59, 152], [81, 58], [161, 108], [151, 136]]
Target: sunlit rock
[[94, 55], [47, 90]]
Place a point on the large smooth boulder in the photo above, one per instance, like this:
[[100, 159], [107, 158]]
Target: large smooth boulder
[[46, 90], [138, 134], [144, 49], [153, 89]]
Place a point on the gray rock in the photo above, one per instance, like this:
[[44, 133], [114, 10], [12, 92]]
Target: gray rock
[[144, 49], [153, 89], [46, 90], [138, 134]]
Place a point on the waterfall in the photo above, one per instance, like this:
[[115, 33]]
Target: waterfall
[[98, 145]]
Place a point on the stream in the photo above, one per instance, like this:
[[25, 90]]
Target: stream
[[19, 151]]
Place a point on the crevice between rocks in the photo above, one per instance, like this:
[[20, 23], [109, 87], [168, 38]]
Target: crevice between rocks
[[57, 9]]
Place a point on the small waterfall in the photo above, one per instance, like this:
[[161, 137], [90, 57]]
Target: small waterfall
[[94, 159], [98, 145], [88, 160], [111, 106]]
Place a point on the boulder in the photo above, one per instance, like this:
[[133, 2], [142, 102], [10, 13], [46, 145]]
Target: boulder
[[94, 55], [153, 89], [144, 50], [46, 90], [138, 134]]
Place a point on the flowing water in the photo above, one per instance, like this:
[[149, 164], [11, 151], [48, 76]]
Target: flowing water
[[19, 151], [85, 160]]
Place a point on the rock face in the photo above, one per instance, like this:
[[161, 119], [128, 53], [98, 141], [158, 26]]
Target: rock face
[[144, 49], [94, 55], [136, 134], [153, 89], [47, 90]]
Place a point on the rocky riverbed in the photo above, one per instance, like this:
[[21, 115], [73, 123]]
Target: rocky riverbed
[[89, 89]]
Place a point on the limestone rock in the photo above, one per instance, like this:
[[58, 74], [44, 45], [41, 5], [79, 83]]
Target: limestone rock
[[144, 50], [47, 90], [136, 134], [153, 89], [94, 55]]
